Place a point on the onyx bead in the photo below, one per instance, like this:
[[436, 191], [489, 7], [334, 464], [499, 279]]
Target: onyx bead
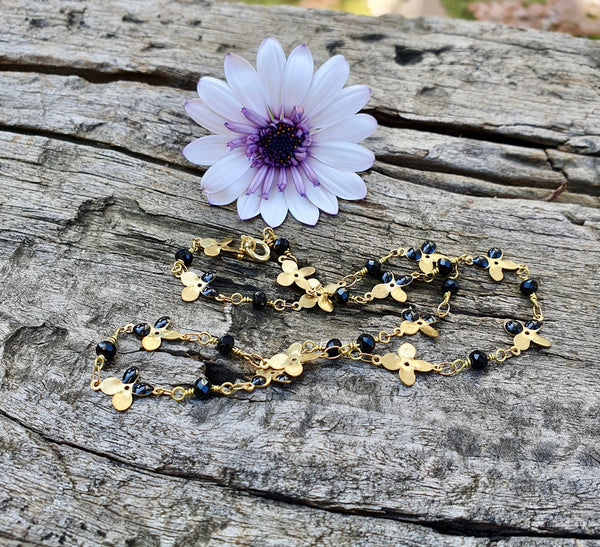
[[366, 343], [281, 245], [414, 254], [481, 262], [333, 347], [208, 277], [131, 375], [283, 378], [444, 266], [528, 287], [386, 277], [478, 359], [259, 300], [533, 325], [373, 267], [404, 280], [142, 390], [341, 296], [410, 315], [258, 381], [162, 322], [185, 255], [141, 330], [513, 327], [106, 348], [428, 247], [450, 285], [225, 344], [210, 292], [495, 253], [202, 388]]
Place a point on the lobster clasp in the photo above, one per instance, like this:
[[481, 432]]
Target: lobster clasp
[[256, 249]]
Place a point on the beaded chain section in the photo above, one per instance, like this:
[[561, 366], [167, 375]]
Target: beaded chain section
[[283, 367]]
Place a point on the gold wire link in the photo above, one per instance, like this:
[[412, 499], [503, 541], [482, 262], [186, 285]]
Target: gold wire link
[[384, 337], [98, 364], [426, 278], [269, 235], [178, 268], [467, 259], [158, 390], [254, 359], [523, 271], [236, 299], [203, 338], [362, 299], [399, 252], [180, 393], [444, 308], [287, 256], [451, 368], [280, 305], [537, 309], [352, 279], [308, 346], [228, 388]]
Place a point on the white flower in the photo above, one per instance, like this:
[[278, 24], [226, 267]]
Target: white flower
[[285, 137]]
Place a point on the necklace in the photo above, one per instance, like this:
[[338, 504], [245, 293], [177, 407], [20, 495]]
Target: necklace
[[282, 368]]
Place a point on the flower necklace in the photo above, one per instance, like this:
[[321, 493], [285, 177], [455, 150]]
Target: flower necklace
[[283, 367]]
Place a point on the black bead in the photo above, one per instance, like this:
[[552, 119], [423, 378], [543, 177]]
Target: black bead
[[428, 247], [444, 266], [131, 375], [208, 277], [185, 255], [495, 253], [533, 325], [106, 348], [450, 285], [225, 344], [373, 267], [366, 343], [410, 315], [202, 388], [210, 292], [281, 245], [141, 330], [414, 254], [341, 296], [386, 277], [428, 318], [334, 344], [513, 327], [283, 378], [259, 381], [163, 321], [259, 300], [481, 262], [404, 280], [141, 390], [529, 286], [478, 359]]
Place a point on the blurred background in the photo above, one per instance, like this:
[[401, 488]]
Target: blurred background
[[576, 17]]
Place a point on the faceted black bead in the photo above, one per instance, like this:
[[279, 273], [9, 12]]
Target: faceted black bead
[[141, 330], [414, 254], [450, 285], [444, 266], [185, 255], [341, 296], [259, 300], [131, 375], [428, 318], [386, 277], [481, 262], [478, 359], [106, 348], [404, 280], [141, 390], [495, 253], [259, 381], [282, 378], [529, 286], [211, 292], [513, 327], [428, 247], [410, 315], [281, 245], [208, 276], [225, 344], [533, 325], [334, 344], [163, 321], [202, 388], [373, 267], [366, 343]]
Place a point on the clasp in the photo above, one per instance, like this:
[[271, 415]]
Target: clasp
[[250, 246]]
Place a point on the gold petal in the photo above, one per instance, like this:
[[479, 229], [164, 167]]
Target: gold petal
[[540, 340], [189, 294], [522, 341], [381, 290], [496, 273], [294, 369], [110, 386], [306, 357], [427, 329], [303, 283], [170, 335], [407, 375], [279, 361], [122, 400], [408, 327], [294, 349], [150, 343], [308, 302], [426, 266], [407, 351], [207, 241], [509, 265], [285, 279], [391, 361], [325, 304], [306, 271], [421, 366], [398, 294], [189, 279], [289, 266], [213, 250]]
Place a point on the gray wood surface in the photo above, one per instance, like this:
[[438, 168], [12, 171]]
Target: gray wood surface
[[478, 125]]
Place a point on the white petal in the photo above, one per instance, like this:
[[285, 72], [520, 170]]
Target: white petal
[[225, 172], [248, 206], [322, 198], [343, 184], [270, 62], [343, 105], [274, 210], [232, 192], [327, 81], [297, 76], [346, 156], [203, 115], [244, 83], [302, 209], [207, 150], [354, 129], [219, 98]]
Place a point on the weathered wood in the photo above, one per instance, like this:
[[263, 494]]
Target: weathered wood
[[96, 197]]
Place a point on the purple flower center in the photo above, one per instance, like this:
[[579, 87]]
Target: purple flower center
[[277, 144]]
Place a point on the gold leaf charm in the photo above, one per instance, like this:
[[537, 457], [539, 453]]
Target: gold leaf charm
[[121, 390], [414, 323], [405, 363], [317, 294], [393, 287], [525, 334], [292, 360], [212, 247], [497, 264], [195, 286], [158, 333], [292, 274]]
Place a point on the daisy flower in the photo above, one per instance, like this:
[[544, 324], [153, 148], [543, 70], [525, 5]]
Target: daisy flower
[[285, 138]]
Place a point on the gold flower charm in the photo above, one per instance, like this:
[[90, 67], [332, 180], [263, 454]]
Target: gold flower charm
[[429, 257], [524, 335], [291, 274], [317, 294], [414, 323], [195, 286], [292, 360], [158, 333], [393, 287], [212, 247], [121, 390], [497, 264], [406, 363]]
